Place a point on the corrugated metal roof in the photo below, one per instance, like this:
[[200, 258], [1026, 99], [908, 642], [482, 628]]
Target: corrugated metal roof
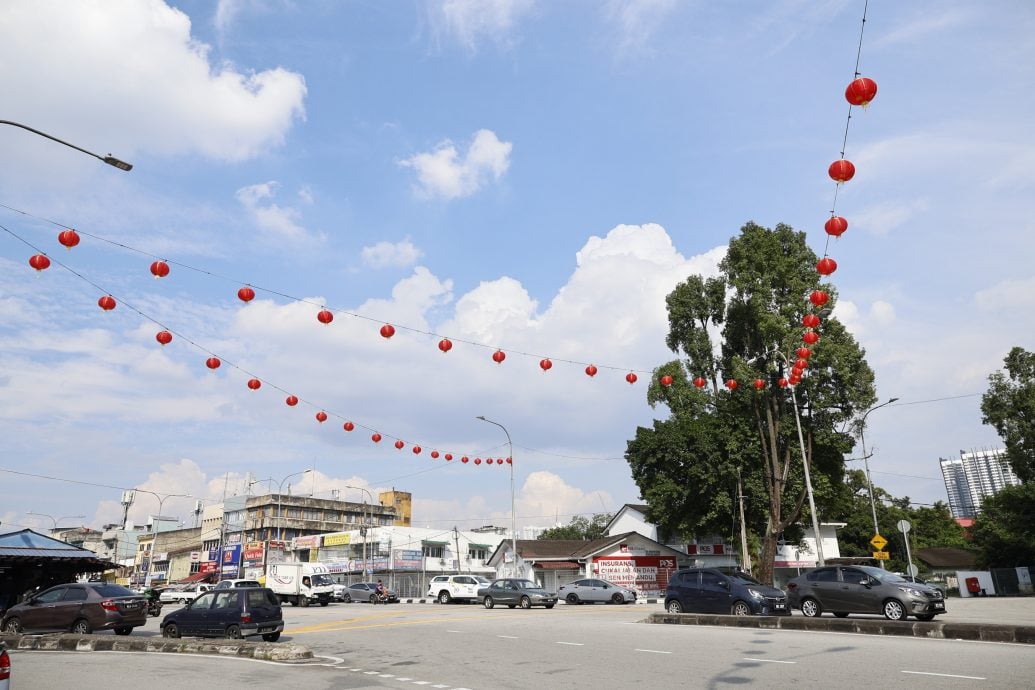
[[29, 544], [46, 553]]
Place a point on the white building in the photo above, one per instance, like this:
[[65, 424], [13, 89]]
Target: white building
[[973, 476]]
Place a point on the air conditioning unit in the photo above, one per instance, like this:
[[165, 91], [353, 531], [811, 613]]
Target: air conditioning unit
[[442, 562]]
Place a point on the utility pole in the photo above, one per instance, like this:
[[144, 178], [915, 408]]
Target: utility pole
[[456, 539], [745, 557]]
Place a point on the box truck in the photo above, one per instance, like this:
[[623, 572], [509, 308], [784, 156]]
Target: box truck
[[300, 584]]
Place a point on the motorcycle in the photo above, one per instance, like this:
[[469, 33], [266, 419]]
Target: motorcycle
[[154, 607]]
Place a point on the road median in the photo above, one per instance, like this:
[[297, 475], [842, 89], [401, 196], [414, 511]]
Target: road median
[[66, 642]]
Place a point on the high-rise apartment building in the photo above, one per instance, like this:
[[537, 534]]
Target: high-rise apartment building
[[974, 475]]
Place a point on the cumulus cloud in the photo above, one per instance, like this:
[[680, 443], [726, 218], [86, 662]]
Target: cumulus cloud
[[446, 174], [391, 254], [276, 222], [473, 22]]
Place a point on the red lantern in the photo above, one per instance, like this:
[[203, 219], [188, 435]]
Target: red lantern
[[631, 378], [375, 437], [826, 266], [159, 269], [39, 261], [68, 238], [325, 316], [445, 345], [841, 171], [794, 380], [416, 450], [731, 384], [759, 384], [796, 373], [212, 362], [254, 384], [399, 445], [321, 416], [434, 454], [291, 401], [448, 457], [499, 461], [666, 380], [464, 459], [802, 364], [810, 321], [781, 382], [861, 91], [498, 356], [387, 331], [545, 364], [107, 303], [246, 294], [164, 337], [803, 353], [477, 461], [510, 461], [591, 371], [811, 338], [348, 426], [819, 298], [836, 226], [700, 382]]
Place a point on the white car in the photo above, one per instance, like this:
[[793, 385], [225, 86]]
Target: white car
[[182, 595], [447, 588]]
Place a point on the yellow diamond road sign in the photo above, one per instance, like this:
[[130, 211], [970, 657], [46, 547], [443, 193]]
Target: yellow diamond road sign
[[879, 542]]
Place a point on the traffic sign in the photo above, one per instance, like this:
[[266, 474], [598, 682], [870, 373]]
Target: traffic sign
[[904, 526], [879, 542], [881, 555]]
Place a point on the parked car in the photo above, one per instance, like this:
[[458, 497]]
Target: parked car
[[447, 588], [231, 612], [183, 594], [365, 591], [341, 593], [516, 592], [5, 668], [592, 590], [227, 584], [708, 590], [80, 607], [863, 589]]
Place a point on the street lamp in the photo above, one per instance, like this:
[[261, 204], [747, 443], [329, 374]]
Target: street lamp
[[52, 519], [866, 462], [161, 501], [367, 525], [280, 509], [109, 159], [513, 514]]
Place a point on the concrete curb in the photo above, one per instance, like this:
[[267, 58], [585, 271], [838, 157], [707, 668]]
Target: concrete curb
[[65, 642], [984, 632]]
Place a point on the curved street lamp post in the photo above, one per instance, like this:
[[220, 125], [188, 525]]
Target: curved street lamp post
[[365, 526], [53, 519], [513, 514], [109, 159], [280, 503], [866, 463]]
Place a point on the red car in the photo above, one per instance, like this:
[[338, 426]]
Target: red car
[[79, 607]]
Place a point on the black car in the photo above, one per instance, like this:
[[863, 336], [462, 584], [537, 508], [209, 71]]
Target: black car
[[231, 613], [79, 607], [863, 589], [707, 590]]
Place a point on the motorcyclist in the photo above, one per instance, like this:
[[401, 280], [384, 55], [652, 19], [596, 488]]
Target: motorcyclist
[[381, 591], [154, 603]]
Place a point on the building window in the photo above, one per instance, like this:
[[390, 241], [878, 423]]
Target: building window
[[432, 551], [479, 554]]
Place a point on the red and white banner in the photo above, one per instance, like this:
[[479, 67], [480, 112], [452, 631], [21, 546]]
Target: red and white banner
[[645, 574]]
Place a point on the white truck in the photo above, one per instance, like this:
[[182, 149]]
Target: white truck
[[300, 584]]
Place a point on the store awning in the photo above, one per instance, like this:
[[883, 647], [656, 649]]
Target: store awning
[[196, 577], [429, 542], [557, 565], [480, 546]]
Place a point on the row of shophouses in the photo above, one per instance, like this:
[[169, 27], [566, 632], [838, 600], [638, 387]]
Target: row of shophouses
[[359, 541]]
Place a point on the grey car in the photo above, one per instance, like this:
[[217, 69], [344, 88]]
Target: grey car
[[849, 589], [79, 607], [516, 592], [592, 590]]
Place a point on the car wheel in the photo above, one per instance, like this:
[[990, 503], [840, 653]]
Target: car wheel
[[810, 608], [171, 630], [841, 614], [233, 632], [674, 606], [740, 609], [82, 627], [526, 603], [13, 625], [617, 598], [348, 598], [488, 602], [271, 637], [549, 606], [324, 603], [443, 597], [894, 610], [511, 606], [925, 616], [123, 631], [305, 602], [572, 598]]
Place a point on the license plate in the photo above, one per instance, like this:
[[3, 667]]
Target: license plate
[[133, 605], [939, 605], [266, 629], [779, 606]]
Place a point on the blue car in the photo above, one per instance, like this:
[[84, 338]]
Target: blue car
[[708, 590], [231, 613]]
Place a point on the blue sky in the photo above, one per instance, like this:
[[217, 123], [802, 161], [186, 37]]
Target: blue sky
[[526, 175]]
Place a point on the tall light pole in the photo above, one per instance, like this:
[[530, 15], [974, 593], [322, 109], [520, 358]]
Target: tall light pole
[[109, 159], [513, 514], [280, 503], [161, 501], [866, 463], [365, 526], [53, 519]]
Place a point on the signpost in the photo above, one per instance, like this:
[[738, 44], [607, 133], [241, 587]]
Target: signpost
[[879, 542], [904, 527]]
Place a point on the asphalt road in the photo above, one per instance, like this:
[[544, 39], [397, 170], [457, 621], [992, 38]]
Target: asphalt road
[[363, 646]]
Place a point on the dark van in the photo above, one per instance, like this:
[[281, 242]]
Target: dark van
[[708, 590], [231, 613]]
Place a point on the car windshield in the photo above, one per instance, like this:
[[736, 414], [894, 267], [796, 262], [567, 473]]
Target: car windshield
[[483, 581], [882, 575], [745, 578], [320, 580], [114, 591]]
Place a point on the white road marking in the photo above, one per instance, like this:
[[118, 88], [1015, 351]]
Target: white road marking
[[422, 682], [453, 631], [403, 680], [573, 644], [370, 673], [652, 651], [770, 661], [508, 637], [944, 675]]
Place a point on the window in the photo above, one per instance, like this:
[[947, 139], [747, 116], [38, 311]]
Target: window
[[823, 575], [854, 576], [712, 580], [433, 550], [477, 552], [74, 594], [51, 596], [204, 602]]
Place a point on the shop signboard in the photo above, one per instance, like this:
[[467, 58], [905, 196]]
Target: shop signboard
[[706, 549], [407, 559], [275, 552], [208, 567], [307, 542], [230, 560], [254, 554], [342, 539], [646, 574]]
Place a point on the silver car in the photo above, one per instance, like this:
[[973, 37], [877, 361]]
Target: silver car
[[863, 589], [591, 590]]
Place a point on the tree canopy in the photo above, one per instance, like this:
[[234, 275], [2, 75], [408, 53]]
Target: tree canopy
[[689, 466], [580, 527], [1009, 406], [1004, 531]]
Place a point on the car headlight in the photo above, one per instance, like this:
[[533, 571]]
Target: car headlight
[[913, 592], [538, 596], [755, 594]]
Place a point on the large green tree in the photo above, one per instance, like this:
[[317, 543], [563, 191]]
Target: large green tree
[[688, 467], [580, 527], [1009, 406], [1004, 531]]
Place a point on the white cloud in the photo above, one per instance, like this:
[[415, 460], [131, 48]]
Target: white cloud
[[161, 91], [880, 219], [443, 173], [472, 22], [277, 222], [637, 20], [395, 254]]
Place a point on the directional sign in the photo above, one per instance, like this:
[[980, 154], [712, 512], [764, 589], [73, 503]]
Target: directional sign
[[878, 542], [881, 555]]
